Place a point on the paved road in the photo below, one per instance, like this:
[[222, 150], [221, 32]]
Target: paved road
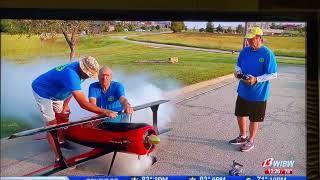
[[159, 45], [197, 144]]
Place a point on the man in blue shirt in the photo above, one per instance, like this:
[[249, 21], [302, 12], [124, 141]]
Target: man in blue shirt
[[256, 65], [54, 89], [108, 94]]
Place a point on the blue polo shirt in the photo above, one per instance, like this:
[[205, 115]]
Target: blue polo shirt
[[256, 63], [59, 82], [110, 99]]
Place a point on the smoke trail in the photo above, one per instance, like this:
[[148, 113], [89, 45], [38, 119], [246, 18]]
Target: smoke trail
[[129, 164], [16, 92], [17, 99], [124, 165]]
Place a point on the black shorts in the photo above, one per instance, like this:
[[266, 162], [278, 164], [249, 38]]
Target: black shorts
[[254, 109]]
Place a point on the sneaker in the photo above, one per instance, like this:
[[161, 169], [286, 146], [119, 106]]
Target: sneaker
[[66, 145], [238, 140], [247, 147], [154, 159]]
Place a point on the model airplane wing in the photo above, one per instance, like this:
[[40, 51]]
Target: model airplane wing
[[153, 105]]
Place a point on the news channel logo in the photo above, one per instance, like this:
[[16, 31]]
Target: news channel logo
[[283, 167]]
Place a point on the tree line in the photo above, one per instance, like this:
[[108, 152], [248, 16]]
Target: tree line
[[71, 29], [211, 29]]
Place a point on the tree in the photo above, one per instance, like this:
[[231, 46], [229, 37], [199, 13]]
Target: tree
[[131, 27], [73, 27], [201, 30], [105, 28], [209, 27], [152, 28], [51, 28], [177, 26], [229, 30], [157, 27], [219, 28], [144, 27], [273, 26], [11, 26], [240, 29], [119, 28]]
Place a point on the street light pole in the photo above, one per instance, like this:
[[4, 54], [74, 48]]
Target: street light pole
[[245, 33]]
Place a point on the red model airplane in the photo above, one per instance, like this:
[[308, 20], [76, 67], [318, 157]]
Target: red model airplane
[[103, 137]]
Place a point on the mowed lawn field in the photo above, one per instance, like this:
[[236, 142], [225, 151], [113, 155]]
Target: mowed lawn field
[[193, 66], [283, 46]]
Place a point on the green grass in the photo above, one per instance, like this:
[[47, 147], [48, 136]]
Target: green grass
[[22, 48], [10, 125], [291, 61], [284, 46], [193, 66]]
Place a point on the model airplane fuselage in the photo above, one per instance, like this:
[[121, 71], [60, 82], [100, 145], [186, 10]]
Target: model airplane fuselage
[[104, 137]]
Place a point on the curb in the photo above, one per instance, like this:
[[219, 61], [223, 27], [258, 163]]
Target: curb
[[197, 86]]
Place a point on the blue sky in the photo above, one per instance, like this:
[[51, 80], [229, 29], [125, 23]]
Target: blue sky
[[199, 25]]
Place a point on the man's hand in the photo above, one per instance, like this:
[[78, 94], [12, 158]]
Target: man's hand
[[110, 114], [128, 109], [126, 105], [251, 81]]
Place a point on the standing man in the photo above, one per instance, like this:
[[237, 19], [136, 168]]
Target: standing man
[[108, 94], [54, 89], [259, 64]]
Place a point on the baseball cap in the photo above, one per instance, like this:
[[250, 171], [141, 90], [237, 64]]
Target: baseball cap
[[253, 32], [89, 65]]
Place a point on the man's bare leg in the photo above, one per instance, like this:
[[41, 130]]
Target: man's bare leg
[[61, 118], [51, 140], [253, 128], [242, 126]]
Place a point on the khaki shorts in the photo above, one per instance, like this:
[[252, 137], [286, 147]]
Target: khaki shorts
[[48, 107]]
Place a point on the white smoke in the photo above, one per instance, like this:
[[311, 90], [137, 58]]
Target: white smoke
[[16, 92], [124, 164], [17, 101], [17, 98]]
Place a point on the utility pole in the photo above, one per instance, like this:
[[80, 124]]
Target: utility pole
[[245, 33]]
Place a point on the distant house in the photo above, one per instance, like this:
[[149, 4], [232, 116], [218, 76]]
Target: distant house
[[262, 25], [271, 32], [83, 33], [291, 26], [233, 29], [111, 28], [265, 26], [163, 24]]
